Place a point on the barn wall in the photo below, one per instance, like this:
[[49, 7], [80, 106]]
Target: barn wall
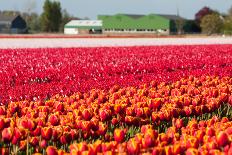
[[71, 31]]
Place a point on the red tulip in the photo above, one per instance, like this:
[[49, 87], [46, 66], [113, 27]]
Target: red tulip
[[7, 135], [158, 151], [54, 119], [119, 135], [2, 110], [104, 114], [144, 128], [34, 141], [2, 123], [4, 151], [222, 138], [214, 152], [199, 134], [43, 144], [133, 147], [230, 151], [130, 111], [230, 100], [86, 125], [56, 133], [87, 114], [59, 107], [51, 150], [114, 121], [229, 131], [192, 142], [102, 128], [22, 145], [168, 150], [192, 151], [179, 123], [210, 131], [211, 145], [106, 147], [177, 148], [66, 138], [37, 131], [46, 133]]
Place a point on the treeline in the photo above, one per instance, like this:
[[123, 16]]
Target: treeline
[[213, 22], [52, 19]]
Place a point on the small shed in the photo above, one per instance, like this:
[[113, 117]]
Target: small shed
[[83, 27], [14, 24]]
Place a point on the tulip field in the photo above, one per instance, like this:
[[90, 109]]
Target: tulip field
[[158, 100]]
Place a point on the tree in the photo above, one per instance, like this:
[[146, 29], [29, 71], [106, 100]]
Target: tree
[[51, 16], [203, 12], [34, 23], [66, 17], [211, 23], [227, 27], [179, 25]]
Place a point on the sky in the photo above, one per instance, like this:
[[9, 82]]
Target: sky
[[92, 8]]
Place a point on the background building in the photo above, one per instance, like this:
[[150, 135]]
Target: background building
[[12, 24], [83, 27], [152, 23]]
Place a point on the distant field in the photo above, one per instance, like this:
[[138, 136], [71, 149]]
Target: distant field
[[175, 98], [45, 42]]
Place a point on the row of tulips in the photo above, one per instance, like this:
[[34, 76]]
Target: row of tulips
[[205, 137], [41, 73], [97, 114]]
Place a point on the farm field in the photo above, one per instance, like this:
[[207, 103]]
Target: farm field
[[167, 99], [41, 42]]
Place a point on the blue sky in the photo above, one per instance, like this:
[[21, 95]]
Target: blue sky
[[92, 8]]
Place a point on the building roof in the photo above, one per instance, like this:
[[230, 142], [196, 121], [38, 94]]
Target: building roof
[[133, 16], [137, 16], [171, 17], [8, 18], [84, 23]]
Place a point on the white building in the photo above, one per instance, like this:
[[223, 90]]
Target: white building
[[83, 27]]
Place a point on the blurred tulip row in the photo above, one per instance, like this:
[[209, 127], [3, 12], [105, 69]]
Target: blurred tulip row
[[30, 74], [210, 137], [133, 120]]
